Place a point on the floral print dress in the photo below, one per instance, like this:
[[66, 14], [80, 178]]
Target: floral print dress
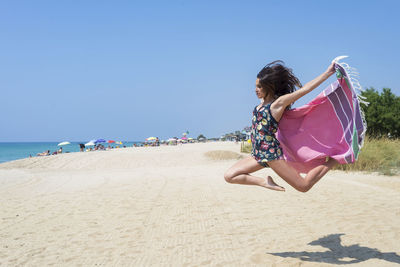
[[265, 146]]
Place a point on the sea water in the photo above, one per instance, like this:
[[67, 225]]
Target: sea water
[[19, 150]]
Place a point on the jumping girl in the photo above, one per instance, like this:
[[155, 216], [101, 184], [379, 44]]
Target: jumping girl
[[276, 87]]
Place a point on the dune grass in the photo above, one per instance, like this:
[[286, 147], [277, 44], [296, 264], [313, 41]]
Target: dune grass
[[377, 155], [222, 155], [245, 147]]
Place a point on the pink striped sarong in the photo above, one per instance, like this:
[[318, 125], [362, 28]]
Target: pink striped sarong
[[330, 125]]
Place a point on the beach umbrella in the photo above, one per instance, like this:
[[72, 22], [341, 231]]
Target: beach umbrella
[[63, 143], [184, 138], [91, 143], [151, 139], [110, 141], [100, 141], [119, 142]]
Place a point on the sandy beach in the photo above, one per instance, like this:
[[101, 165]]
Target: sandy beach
[[170, 206]]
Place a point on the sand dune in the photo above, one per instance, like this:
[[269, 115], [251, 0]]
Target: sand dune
[[170, 206]]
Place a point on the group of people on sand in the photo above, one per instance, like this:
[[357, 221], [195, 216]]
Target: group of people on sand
[[101, 147], [97, 147], [82, 148], [47, 152]]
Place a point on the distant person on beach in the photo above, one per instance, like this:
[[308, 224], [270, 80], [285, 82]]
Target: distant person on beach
[[276, 87], [82, 147], [44, 153], [59, 151]]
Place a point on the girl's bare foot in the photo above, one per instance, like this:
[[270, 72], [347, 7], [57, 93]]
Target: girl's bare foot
[[270, 184]]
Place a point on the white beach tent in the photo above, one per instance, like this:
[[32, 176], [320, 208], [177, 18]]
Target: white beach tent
[[90, 143], [63, 143]]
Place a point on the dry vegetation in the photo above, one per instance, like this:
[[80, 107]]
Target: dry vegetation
[[222, 155], [377, 155], [245, 147]]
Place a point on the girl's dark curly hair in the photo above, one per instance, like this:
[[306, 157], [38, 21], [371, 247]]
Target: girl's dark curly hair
[[276, 79]]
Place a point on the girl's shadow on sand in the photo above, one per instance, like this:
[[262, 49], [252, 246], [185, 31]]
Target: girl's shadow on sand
[[338, 254]]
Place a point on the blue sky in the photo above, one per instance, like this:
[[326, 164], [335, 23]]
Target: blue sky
[[127, 70]]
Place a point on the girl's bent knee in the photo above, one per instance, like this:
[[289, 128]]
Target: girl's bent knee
[[228, 176], [303, 188]]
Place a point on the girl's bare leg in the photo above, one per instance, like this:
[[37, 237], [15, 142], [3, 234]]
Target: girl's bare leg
[[239, 173], [292, 177]]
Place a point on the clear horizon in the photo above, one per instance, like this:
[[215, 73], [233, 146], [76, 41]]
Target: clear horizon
[[81, 70]]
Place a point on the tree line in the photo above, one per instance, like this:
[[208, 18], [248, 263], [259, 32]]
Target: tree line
[[382, 114]]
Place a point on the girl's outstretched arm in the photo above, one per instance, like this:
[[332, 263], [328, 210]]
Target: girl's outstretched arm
[[280, 104]]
